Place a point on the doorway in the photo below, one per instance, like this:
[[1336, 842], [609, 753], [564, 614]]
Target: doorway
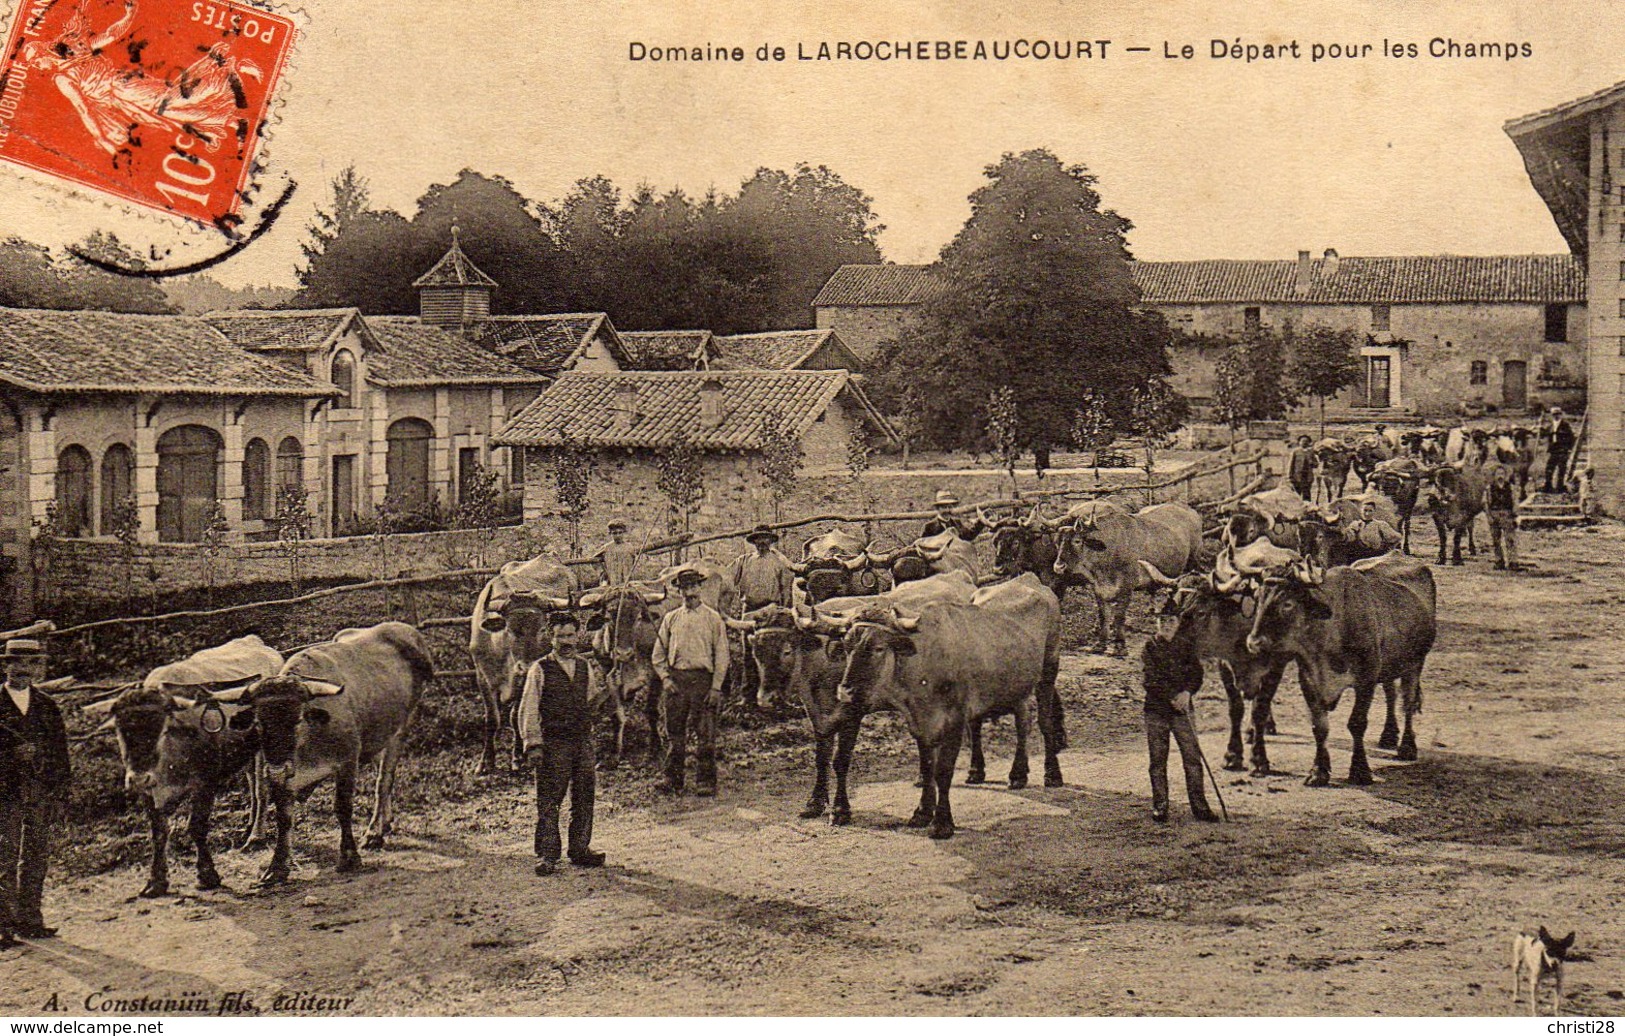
[[1515, 385], [343, 494], [1378, 381]]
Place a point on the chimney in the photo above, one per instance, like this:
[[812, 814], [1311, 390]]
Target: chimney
[[1330, 269], [710, 403], [626, 406], [1300, 284]]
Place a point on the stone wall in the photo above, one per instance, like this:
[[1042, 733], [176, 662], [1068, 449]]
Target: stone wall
[[865, 329]]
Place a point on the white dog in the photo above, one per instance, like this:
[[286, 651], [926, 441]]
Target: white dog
[[1540, 955]]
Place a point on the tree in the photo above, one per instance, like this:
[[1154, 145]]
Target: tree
[[351, 200], [124, 523], [1324, 363], [1092, 427], [859, 456], [479, 506], [214, 545], [1004, 431], [1156, 412], [573, 468], [1037, 279], [781, 458], [1250, 383], [31, 278], [681, 480], [293, 529]]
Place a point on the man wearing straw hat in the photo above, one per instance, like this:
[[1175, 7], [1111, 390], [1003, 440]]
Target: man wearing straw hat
[[944, 504], [691, 657], [34, 777]]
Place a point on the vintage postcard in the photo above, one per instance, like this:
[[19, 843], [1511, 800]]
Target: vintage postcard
[[910, 509]]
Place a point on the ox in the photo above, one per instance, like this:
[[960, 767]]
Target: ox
[[1335, 461], [1369, 623], [1454, 498], [1207, 609], [806, 657], [836, 564], [507, 633], [623, 638], [950, 664], [1102, 545], [1028, 545], [1367, 455], [331, 709], [928, 556], [1400, 480], [178, 750], [1277, 514]]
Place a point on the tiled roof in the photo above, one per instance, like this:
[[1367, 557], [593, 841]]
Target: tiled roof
[[1567, 110], [1359, 280], [1555, 145], [82, 351], [666, 350], [413, 353], [771, 350], [545, 344], [454, 270], [588, 407], [1367, 280], [885, 285], [265, 330]]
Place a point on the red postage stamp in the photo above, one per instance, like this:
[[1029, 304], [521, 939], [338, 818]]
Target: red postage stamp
[[160, 102]]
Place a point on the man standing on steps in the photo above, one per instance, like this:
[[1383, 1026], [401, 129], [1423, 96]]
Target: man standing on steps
[[1559, 444], [555, 726], [34, 778], [691, 657]]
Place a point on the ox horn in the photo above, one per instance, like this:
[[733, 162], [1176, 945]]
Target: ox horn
[[905, 621], [653, 596], [1225, 579], [742, 625], [1307, 572], [591, 598], [321, 688], [1155, 574], [230, 694], [556, 603], [106, 726], [96, 708], [856, 562]]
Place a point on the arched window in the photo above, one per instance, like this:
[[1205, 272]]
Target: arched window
[[344, 378], [188, 482], [290, 465], [118, 473], [73, 492], [257, 480], [408, 463]]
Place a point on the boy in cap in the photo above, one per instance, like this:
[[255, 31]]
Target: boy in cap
[[555, 726], [691, 658], [617, 557], [1500, 505], [763, 576], [1172, 674], [34, 776], [944, 504], [1300, 470]]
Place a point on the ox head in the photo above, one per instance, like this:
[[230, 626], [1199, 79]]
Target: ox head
[[623, 632], [1192, 606], [786, 647], [876, 639], [279, 708], [1290, 603], [1087, 539], [1444, 489], [170, 745]]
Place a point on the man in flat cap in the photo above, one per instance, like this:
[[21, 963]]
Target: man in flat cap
[[34, 776], [555, 726], [945, 519], [691, 657]]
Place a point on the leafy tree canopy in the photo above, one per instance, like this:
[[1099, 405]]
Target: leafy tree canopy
[[1038, 298], [32, 278]]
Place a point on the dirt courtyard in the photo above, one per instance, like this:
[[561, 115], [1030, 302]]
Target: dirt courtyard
[[1396, 899]]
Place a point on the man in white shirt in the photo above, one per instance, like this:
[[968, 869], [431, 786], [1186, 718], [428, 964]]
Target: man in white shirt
[[691, 657], [34, 777]]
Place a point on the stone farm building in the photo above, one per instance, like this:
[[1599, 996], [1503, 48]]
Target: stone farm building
[[1441, 335], [628, 418], [1575, 156]]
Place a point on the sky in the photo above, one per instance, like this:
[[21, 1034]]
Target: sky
[[1209, 158]]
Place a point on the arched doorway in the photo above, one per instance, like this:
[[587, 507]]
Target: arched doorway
[[118, 473], [408, 463], [188, 482], [73, 492]]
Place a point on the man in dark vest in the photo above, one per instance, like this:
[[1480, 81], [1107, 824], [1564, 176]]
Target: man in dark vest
[[1560, 439], [34, 778], [555, 726]]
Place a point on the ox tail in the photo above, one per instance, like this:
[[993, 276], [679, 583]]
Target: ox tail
[[415, 650]]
